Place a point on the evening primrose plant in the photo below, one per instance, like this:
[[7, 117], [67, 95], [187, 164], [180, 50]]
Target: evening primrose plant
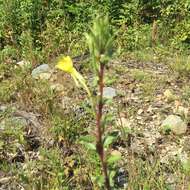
[[100, 43]]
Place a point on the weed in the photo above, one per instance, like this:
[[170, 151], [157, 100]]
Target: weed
[[140, 75]]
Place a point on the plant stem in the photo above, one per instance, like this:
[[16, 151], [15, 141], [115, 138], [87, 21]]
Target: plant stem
[[99, 134]]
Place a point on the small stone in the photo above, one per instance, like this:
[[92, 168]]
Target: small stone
[[175, 124], [109, 92], [42, 72], [5, 180], [171, 180]]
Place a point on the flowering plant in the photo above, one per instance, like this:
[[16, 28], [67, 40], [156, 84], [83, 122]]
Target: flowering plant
[[100, 42]]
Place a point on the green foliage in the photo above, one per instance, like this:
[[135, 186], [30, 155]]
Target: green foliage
[[48, 28], [100, 41]]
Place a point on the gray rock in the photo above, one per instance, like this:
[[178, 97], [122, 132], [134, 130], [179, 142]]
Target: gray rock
[[109, 92], [42, 72], [175, 124], [14, 120], [20, 121]]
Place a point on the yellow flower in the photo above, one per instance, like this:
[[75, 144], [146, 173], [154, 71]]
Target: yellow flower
[[66, 65]]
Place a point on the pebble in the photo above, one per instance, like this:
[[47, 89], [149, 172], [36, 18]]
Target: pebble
[[42, 72], [175, 124], [109, 92]]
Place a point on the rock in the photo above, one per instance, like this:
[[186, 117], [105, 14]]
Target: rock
[[42, 72], [175, 124], [15, 120], [20, 120], [45, 76], [109, 92]]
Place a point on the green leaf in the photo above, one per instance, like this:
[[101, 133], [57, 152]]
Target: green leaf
[[111, 176], [114, 157], [109, 140], [90, 146]]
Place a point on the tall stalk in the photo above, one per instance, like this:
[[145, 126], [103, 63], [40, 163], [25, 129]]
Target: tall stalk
[[99, 132], [100, 45]]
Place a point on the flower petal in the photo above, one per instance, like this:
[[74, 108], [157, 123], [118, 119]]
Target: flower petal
[[81, 80], [65, 64]]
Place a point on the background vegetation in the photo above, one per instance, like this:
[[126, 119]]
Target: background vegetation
[[40, 30]]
